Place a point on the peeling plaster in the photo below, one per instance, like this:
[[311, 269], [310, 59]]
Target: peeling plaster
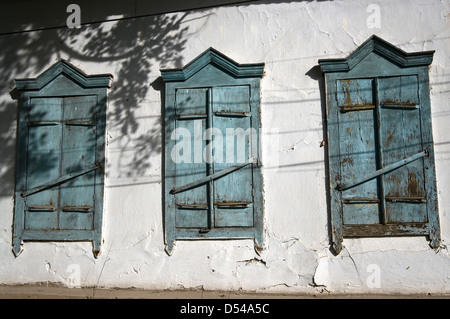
[[289, 37]]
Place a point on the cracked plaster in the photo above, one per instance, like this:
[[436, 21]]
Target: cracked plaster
[[289, 37]]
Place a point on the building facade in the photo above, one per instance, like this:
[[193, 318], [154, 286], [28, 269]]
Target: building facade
[[118, 120]]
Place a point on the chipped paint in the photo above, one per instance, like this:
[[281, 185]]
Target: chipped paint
[[296, 258]]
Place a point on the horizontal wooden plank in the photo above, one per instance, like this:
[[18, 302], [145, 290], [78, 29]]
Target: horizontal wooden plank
[[357, 200], [232, 113], [232, 204], [77, 209], [58, 235], [406, 199], [401, 106], [81, 122], [41, 208], [191, 116], [43, 123], [379, 230], [351, 108], [191, 206], [220, 233]]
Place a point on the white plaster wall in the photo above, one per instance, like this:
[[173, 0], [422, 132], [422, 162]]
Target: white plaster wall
[[289, 37]]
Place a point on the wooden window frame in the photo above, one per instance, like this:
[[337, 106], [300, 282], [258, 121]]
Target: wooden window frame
[[376, 59], [61, 80], [210, 70]]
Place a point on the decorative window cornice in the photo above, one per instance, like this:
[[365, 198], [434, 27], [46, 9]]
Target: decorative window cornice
[[72, 72], [214, 57], [381, 47]]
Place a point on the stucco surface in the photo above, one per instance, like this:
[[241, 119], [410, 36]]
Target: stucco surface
[[289, 37]]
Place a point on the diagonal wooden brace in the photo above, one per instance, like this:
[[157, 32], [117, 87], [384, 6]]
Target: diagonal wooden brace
[[59, 180], [387, 169], [212, 177]]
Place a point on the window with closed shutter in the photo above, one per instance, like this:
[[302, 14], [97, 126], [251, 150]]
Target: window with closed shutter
[[212, 175], [60, 160], [381, 158]]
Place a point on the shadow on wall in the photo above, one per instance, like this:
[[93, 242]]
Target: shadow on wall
[[130, 45], [316, 74]]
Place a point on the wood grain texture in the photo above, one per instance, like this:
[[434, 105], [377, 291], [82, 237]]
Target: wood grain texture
[[215, 101], [379, 117], [60, 171]]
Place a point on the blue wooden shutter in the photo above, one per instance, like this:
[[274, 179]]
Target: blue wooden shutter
[[357, 148], [399, 195], [43, 162], [214, 189], [61, 141], [401, 137], [380, 144], [78, 152], [60, 157], [192, 205], [233, 199], [229, 112]]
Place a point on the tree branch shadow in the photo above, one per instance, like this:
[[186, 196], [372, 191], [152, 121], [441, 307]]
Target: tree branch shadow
[[131, 46]]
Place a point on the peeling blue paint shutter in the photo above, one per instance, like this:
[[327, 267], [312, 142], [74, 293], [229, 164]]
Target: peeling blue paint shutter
[[190, 116], [78, 152], [401, 137], [213, 181], [398, 196], [233, 200], [60, 157], [381, 151], [61, 141], [225, 113], [43, 162], [358, 154]]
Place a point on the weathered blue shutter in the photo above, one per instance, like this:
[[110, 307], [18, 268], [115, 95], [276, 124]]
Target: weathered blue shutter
[[399, 195], [62, 140], [229, 112], [43, 162], [60, 157], [190, 115], [78, 152], [357, 148], [213, 182], [233, 199], [401, 137], [380, 144]]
